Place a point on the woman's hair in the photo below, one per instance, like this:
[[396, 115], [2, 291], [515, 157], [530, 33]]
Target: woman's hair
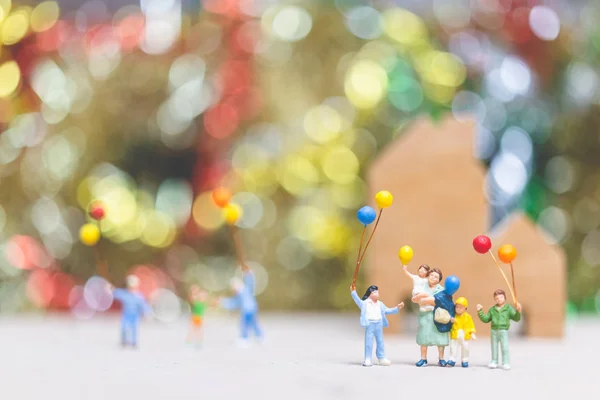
[[427, 268], [437, 271], [370, 290]]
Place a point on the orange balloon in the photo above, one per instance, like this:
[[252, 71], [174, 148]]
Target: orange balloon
[[221, 196], [507, 253]]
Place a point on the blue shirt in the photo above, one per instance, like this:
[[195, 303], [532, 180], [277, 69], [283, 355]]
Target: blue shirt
[[245, 300], [134, 304]]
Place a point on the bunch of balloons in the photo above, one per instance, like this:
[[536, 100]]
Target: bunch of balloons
[[89, 234], [366, 215], [231, 212], [506, 253]]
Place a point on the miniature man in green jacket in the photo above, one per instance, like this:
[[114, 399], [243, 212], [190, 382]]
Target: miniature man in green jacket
[[500, 316]]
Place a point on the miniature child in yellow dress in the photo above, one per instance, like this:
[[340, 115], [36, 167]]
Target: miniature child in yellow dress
[[463, 330]]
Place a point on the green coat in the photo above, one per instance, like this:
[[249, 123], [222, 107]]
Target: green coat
[[198, 308], [500, 318]]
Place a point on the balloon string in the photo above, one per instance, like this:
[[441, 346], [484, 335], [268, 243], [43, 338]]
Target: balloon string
[[238, 247], [512, 273], [371, 237], [358, 257], [101, 267], [505, 278]]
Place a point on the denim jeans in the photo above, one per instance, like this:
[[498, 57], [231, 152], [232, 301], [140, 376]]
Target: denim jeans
[[374, 330], [249, 321], [500, 337], [129, 330]]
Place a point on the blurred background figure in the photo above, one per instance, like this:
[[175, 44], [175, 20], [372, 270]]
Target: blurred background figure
[[244, 300], [134, 308], [146, 106], [198, 302]]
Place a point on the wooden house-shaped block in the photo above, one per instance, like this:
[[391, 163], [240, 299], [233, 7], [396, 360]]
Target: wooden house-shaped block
[[439, 207]]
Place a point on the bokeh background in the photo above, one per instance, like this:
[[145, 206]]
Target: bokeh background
[[149, 105]]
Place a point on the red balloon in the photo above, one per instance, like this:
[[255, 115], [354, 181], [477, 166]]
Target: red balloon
[[97, 211], [482, 244]]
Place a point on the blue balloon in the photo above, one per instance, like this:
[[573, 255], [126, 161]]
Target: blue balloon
[[366, 215], [451, 284]]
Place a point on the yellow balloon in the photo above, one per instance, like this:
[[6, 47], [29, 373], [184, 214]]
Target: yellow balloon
[[384, 199], [405, 254], [89, 234], [232, 213]]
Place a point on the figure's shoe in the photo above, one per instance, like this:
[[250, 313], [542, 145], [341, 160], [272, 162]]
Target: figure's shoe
[[506, 366], [367, 363], [242, 343], [384, 362], [465, 364], [493, 365], [421, 362], [442, 363], [451, 363]]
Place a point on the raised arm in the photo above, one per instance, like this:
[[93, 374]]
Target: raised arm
[[405, 269], [249, 280], [483, 317], [356, 299]]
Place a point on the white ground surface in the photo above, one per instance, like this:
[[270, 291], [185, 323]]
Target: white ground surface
[[305, 357]]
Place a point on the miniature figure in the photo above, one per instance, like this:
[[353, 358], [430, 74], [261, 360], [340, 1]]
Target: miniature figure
[[463, 330], [134, 306], [245, 301], [427, 333], [373, 319], [198, 301], [500, 316], [419, 280]]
